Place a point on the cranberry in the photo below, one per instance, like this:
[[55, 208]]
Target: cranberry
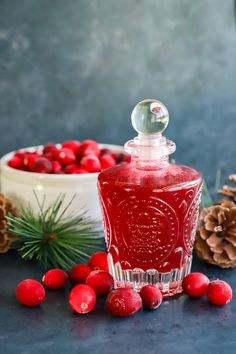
[[90, 163], [107, 161], [82, 298], [151, 296], [15, 162], [56, 167], [65, 156], [98, 261], [49, 156], [42, 165], [20, 155], [88, 147], [105, 151], [79, 171], [72, 145], [70, 168], [102, 282], [55, 279], [195, 284], [121, 157], [219, 292], [123, 302], [29, 161], [30, 292], [50, 148], [79, 273]]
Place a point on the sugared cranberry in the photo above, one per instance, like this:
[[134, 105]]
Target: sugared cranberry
[[151, 296], [30, 292], [195, 284], [102, 282], [42, 165], [98, 261], [123, 302], [55, 279], [79, 273], [88, 147], [107, 161], [65, 156], [82, 298], [219, 292], [15, 162], [72, 145]]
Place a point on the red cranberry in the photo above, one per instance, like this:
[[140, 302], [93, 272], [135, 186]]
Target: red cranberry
[[219, 292], [15, 162], [151, 296], [102, 282], [107, 161], [29, 161], [42, 165], [79, 273], [88, 147], [30, 292], [65, 156], [56, 167], [90, 163], [105, 151], [50, 148], [55, 279], [195, 284], [123, 302], [98, 261], [82, 298], [72, 145]]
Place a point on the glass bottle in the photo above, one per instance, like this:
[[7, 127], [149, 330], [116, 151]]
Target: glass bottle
[[150, 208]]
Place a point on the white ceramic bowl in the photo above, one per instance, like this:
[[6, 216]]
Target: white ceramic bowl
[[18, 186]]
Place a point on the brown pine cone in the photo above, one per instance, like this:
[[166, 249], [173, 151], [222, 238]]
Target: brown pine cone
[[229, 191], [6, 238], [216, 234]]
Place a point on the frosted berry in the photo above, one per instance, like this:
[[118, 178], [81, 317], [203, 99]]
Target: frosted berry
[[42, 165], [123, 302], [15, 162], [82, 298], [195, 284], [219, 292], [98, 261], [107, 161], [90, 163], [88, 147], [30, 293], [72, 145], [55, 279], [79, 273], [151, 296], [65, 156], [101, 281]]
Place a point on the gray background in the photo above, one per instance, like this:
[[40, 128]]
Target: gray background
[[75, 69]]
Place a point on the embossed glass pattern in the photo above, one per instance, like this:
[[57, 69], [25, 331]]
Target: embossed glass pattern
[[150, 211]]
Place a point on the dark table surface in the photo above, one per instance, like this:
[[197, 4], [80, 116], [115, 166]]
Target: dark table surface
[[181, 325]]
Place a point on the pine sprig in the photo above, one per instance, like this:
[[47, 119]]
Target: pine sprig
[[52, 238]]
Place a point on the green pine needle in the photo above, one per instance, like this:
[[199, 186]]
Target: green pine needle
[[53, 239]]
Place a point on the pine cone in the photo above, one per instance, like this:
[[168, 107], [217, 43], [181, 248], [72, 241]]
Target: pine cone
[[229, 191], [216, 234], [6, 238]]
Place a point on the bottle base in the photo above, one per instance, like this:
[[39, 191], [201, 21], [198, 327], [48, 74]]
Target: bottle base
[[170, 283]]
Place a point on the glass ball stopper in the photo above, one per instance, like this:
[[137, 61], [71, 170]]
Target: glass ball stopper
[[150, 117]]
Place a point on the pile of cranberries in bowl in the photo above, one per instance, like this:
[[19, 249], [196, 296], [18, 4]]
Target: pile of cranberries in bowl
[[70, 157]]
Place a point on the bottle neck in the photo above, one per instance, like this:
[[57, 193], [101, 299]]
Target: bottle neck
[[149, 165]]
